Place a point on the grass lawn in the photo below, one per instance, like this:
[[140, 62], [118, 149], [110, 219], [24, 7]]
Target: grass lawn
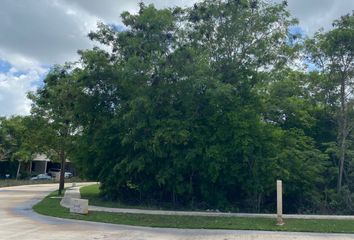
[[50, 206]]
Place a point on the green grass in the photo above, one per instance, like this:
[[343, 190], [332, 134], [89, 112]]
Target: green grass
[[50, 206]]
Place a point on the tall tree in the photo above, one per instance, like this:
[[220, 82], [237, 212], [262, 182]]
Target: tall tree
[[333, 53], [52, 114]]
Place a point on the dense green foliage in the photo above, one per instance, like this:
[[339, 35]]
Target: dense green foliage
[[185, 122], [205, 107], [15, 145]]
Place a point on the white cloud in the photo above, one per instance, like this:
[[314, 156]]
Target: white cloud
[[45, 31], [110, 10], [14, 86], [20, 62], [316, 14]]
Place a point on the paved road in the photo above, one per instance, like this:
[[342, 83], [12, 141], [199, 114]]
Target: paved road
[[18, 221]]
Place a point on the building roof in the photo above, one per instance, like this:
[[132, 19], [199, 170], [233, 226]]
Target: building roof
[[43, 158]]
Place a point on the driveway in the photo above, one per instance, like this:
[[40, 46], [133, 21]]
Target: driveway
[[18, 221]]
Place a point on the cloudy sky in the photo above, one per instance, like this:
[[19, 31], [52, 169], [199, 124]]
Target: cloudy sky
[[35, 34]]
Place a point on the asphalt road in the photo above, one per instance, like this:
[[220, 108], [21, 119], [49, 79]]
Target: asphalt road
[[18, 221]]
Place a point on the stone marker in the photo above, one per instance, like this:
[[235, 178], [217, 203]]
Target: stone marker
[[73, 184], [280, 221], [79, 206]]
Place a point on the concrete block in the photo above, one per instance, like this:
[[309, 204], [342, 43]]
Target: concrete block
[[79, 206], [66, 201]]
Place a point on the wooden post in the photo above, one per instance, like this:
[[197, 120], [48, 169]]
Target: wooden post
[[280, 221]]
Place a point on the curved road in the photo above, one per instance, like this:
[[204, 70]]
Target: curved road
[[18, 221]]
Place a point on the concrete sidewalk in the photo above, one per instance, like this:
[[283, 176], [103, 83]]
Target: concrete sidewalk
[[75, 193]]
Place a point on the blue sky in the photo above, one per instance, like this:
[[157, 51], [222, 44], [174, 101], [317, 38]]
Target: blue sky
[[4, 66], [35, 34]]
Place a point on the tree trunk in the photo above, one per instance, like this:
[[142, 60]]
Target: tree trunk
[[341, 163], [62, 172], [343, 132], [259, 202], [18, 170]]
